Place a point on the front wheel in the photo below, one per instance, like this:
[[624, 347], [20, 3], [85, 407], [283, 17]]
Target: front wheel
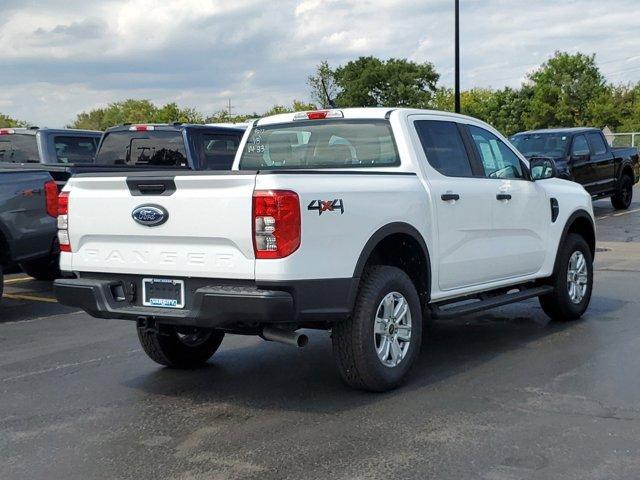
[[623, 197], [180, 347], [573, 282], [375, 348]]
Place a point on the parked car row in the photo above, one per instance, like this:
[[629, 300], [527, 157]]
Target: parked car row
[[362, 222]]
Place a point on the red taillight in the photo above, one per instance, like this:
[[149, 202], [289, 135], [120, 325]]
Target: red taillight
[[63, 222], [276, 223], [63, 203], [319, 115], [7, 131], [51, 198]]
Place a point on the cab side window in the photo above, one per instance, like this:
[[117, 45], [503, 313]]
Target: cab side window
[[597, 143], [498, 160], [444, 148], [580, 146]]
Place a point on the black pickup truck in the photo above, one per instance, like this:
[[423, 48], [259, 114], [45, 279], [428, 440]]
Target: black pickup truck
[[169, 146], [58, 151], [584, 156], [28, 231]]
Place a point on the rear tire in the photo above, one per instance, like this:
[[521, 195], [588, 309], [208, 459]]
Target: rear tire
[[376, 347], [569, 299], [189, 349], [624, 196], [47, 268]]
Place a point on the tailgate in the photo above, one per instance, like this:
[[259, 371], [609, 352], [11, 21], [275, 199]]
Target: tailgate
[[207, 232]]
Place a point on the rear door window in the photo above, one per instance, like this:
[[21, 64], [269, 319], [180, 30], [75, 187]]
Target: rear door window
[[75, 149], [214, 151], [597, 144], [155, 148], [19, 148], [444, 147]]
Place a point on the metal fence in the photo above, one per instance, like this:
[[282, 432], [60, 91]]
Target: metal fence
[[631, 139]]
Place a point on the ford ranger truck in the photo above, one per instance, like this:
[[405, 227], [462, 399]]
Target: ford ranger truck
[[360, 222]]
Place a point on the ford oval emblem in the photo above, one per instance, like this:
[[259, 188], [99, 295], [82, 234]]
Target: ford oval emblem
[[150, 215]]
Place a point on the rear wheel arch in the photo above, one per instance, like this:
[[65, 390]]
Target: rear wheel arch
[[628, 171], [400, 245]]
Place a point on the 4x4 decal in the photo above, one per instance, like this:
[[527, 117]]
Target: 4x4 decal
[[327, 206]]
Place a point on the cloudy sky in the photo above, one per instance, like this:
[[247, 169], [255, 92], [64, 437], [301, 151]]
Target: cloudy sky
[[60, 57]]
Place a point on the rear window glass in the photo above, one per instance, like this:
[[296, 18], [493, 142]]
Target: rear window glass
[[320, 144], [75, 149], [215, 151], [18, 148], [444, 148], [156, 148]]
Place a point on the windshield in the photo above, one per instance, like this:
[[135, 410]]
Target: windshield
[[541, 144], [19, 148], [157, 148], [320, 144]]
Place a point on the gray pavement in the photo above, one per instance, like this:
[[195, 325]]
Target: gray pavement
[[500, 395]]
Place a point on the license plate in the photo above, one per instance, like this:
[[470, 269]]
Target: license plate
[[163, 293]]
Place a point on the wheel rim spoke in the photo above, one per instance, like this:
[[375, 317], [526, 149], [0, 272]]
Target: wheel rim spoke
[[392, 329], [577, 277]]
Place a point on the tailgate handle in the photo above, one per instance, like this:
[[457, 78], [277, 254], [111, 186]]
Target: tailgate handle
[[151, 186]]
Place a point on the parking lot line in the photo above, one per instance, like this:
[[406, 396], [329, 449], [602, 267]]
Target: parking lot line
[[626, 213], [15, 296], [17, 280]]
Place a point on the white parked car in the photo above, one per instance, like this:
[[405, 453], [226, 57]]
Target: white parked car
[[363, 222]]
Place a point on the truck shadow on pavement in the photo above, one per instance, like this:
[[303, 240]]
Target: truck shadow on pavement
[[268, 376]]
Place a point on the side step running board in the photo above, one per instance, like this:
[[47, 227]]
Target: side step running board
[[489, 302]]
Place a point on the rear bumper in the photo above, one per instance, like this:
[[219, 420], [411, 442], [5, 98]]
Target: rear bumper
[[217, 305]]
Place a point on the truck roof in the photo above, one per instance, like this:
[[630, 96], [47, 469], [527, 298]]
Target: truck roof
[[362, 113], [561, 130], [175, 127], [58, 131]]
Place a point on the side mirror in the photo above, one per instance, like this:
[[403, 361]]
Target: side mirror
[[542, 168]]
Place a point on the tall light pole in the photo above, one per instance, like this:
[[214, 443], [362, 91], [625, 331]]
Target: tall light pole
[[457, 59]]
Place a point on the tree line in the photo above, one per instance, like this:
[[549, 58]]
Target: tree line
[[568, 90]]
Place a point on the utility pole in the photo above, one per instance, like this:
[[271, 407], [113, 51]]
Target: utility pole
[[457, 58], [229, 107]]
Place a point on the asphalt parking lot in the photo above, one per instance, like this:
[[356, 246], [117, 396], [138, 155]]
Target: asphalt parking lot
[[499, 395]]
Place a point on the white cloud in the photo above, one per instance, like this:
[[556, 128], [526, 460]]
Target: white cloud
[[62, 57]]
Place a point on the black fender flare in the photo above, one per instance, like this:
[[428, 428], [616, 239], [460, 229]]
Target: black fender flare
[[565, 231], [381, 234]]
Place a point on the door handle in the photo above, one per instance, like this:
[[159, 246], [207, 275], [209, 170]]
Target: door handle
[[449, 196], [503, 196]]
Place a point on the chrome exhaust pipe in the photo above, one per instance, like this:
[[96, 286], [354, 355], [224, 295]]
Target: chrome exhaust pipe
[[294, 339]]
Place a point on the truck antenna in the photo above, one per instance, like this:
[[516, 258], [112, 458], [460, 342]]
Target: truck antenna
[[330, 101]]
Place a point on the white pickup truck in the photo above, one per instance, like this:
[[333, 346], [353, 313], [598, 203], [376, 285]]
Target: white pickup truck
[[361, 222]]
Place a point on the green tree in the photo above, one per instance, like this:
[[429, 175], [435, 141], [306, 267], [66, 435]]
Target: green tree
[[323, 85], [8, 122], [135, 111], [371, 82], [566, 90]]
